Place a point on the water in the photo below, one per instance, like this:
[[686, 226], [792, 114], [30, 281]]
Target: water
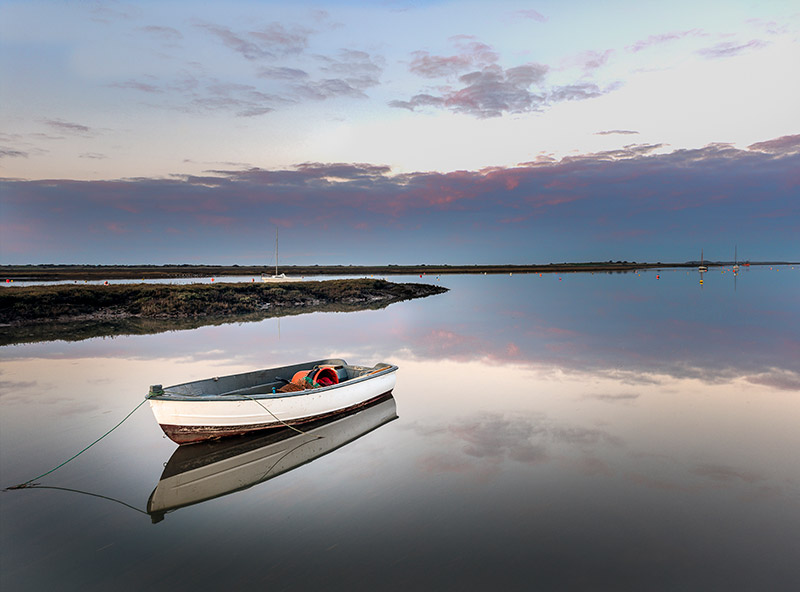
[[603, 432]]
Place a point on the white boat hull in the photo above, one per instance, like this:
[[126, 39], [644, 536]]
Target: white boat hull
[[280, 278], [195, 416]]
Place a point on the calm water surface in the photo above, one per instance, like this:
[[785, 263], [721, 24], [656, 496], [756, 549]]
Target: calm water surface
[[574, 432]]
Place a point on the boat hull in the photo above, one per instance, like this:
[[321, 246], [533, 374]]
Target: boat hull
[[187, 434], [280, 279], [199, 416]]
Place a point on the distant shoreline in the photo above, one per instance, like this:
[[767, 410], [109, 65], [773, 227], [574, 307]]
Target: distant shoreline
[[110, 272]]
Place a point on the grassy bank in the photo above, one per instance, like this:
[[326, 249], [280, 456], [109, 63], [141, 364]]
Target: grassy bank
[[109, 272], [35, 313]]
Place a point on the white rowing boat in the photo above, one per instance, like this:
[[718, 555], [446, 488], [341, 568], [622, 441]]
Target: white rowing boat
[[264, 399]]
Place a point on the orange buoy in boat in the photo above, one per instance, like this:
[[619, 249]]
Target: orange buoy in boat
[[324, 376]]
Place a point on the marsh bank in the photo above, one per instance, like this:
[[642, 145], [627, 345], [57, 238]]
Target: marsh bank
[[71, 312]]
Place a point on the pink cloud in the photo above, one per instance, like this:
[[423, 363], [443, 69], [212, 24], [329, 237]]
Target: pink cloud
[[783, 145], [731, 48], [562, 332], [213, 220], [529, 13], [116, 227], [663, 38]]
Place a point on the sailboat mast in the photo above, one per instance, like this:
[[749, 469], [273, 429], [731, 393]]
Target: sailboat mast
[[276, 250]]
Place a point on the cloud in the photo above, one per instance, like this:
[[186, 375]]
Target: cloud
[[489, 92], [282, 73], [139, 85], [343, 171], [69, 127], [492, 91], [776, 378], [618, 398], [589, 60], [116, 227], [281, 39], [726, 474], [663, 38], [251, 50], [634, 199], [782, 145], [271, 41], [628, 151], [531, 14], [476, 84], [574, 92], [615, 132], [108, 12], [12, 153], [166, 34], [354, 71], [472, 54], [728, 49], [420, 100], [243, 100], [330, 88], [348, 74]]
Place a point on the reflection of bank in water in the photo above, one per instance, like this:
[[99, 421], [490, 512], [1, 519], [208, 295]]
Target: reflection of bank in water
[[205, 471]]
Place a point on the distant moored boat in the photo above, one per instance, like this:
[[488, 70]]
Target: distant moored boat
[[702, 268], [278, 277]]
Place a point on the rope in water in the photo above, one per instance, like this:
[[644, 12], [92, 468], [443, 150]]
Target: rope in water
[[30, 482], [89, 493]]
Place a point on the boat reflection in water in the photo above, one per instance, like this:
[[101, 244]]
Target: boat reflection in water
[[208, 470]]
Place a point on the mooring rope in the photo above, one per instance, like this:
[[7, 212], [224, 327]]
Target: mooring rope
[[30, 482], [89, 493], [278, 419], [237, 393]]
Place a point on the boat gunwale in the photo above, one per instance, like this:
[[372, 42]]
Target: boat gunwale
[[168, 396]]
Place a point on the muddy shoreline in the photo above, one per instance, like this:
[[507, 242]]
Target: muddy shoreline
[[75, 312]]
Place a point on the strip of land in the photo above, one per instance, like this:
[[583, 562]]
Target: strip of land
[[112, 272], [74, 312]]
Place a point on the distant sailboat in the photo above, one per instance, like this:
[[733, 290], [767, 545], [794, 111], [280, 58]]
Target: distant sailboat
[[702, 268], [278, 277], [735, 260]]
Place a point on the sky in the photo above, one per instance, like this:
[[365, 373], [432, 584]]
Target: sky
[[399, 132]]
